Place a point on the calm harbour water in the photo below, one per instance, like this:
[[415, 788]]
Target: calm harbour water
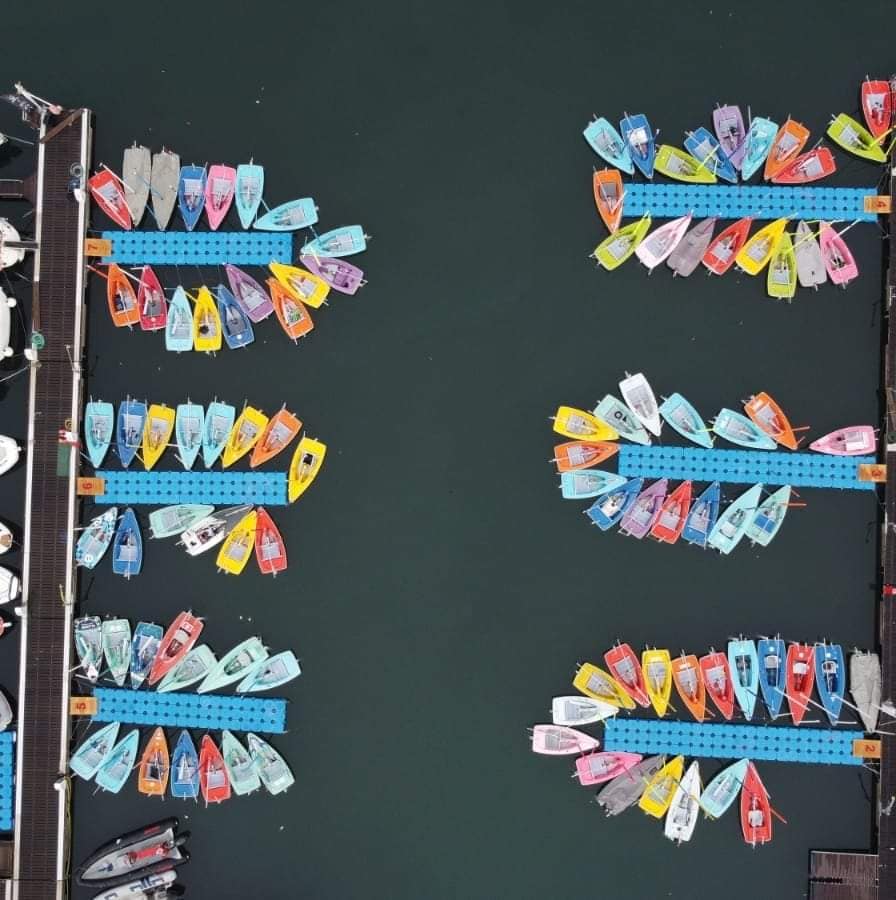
[[439, 591]]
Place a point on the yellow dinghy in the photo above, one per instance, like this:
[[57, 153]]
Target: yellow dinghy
[[657, 668], [244, 435], [582, 426], [781, 280], [675, 163], [657, 796], [305, 465], [755, 254], [206, 323], [156, 433], [614, 250], [600, 685], [852, 136], [238, 545], [301, 284]]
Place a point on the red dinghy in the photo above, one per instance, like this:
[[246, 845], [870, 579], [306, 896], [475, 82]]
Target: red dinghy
[[811, 166], [213, 778], [717, 678], [800, 679], [719, 256], [582, 454], [877, 106], [673, 515], [755, 810], [151, 301], [183, 632], [270, 548], [106, 189], [626, 669]]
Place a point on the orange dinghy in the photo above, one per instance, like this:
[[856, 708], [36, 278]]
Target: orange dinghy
[[122, 298], [582, 454], [292, 314], [280, 430], [787, 145], [608, 196], [720, 254], [763, 410], [155, 765], [690, 686]]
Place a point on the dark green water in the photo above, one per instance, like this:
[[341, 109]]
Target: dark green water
[[439, 591]]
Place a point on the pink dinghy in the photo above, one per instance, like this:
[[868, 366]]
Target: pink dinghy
[[645, 510], [219, 188], [251, 296], [342, 276], [857, 440], [838, 260], [657, 246], [728, 124], [558, 740], [596, 768]]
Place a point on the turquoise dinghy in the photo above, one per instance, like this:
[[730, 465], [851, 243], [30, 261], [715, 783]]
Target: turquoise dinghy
[[276, 670], [703, 515], [685, 419], [342, 241], [88, 758], [219, 418], [269, 764], [114, 772], [732, 523], [758, 142], [769, 517], [722, 791], [192, 668], [584, 483], [188, 432], [738, 429], [248, 191], [617, 415], [185, 768], [95, 539], [240, 662], [288, 216], [744, 664], [612, 505], [99, 429], [171, 520], [117, 648], [607, 143], [179, 326], [830, 676], [240, 765], [144, 646]]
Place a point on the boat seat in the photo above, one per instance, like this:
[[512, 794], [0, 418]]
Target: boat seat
[[270, 550], [127, 553]]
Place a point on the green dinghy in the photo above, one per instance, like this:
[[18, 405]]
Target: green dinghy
[[235, 665]]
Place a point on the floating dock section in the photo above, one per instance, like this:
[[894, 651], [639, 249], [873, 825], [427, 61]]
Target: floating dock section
[[774, 743], [666, 201], [797, 469], [210, 712], [218, 488], [198, 248], [7, 779]]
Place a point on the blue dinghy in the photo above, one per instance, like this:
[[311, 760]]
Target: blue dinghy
[[732, 524], [757, 144], [188, 424], [703, 515], [581, 484], [99, 427], [185, 768], [115, 771], [179, 327], [639, 139], [744, 664], [738, 429], [685, 419], [288, 216], [722, 791], [342, 241], [129, 429], [191, 194], [219, 418], [127, 548], [608, 510], [606, 142], [248, 191], [235, 324], [772, 673], [144, 646], [830, 676], [705, 147]]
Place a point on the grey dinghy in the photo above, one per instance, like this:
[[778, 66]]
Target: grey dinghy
[[625, 790]]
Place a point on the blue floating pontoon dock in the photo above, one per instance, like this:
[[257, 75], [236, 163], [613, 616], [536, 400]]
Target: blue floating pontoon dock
[[777, 743], [7, 779], [124, 487], [200, 711], [664, 200], [199, 248], [744, 466]]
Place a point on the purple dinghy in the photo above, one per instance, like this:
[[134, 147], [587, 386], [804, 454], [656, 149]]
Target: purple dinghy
[[729, 127], [645, 510], [251, 296], [342, 276]]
